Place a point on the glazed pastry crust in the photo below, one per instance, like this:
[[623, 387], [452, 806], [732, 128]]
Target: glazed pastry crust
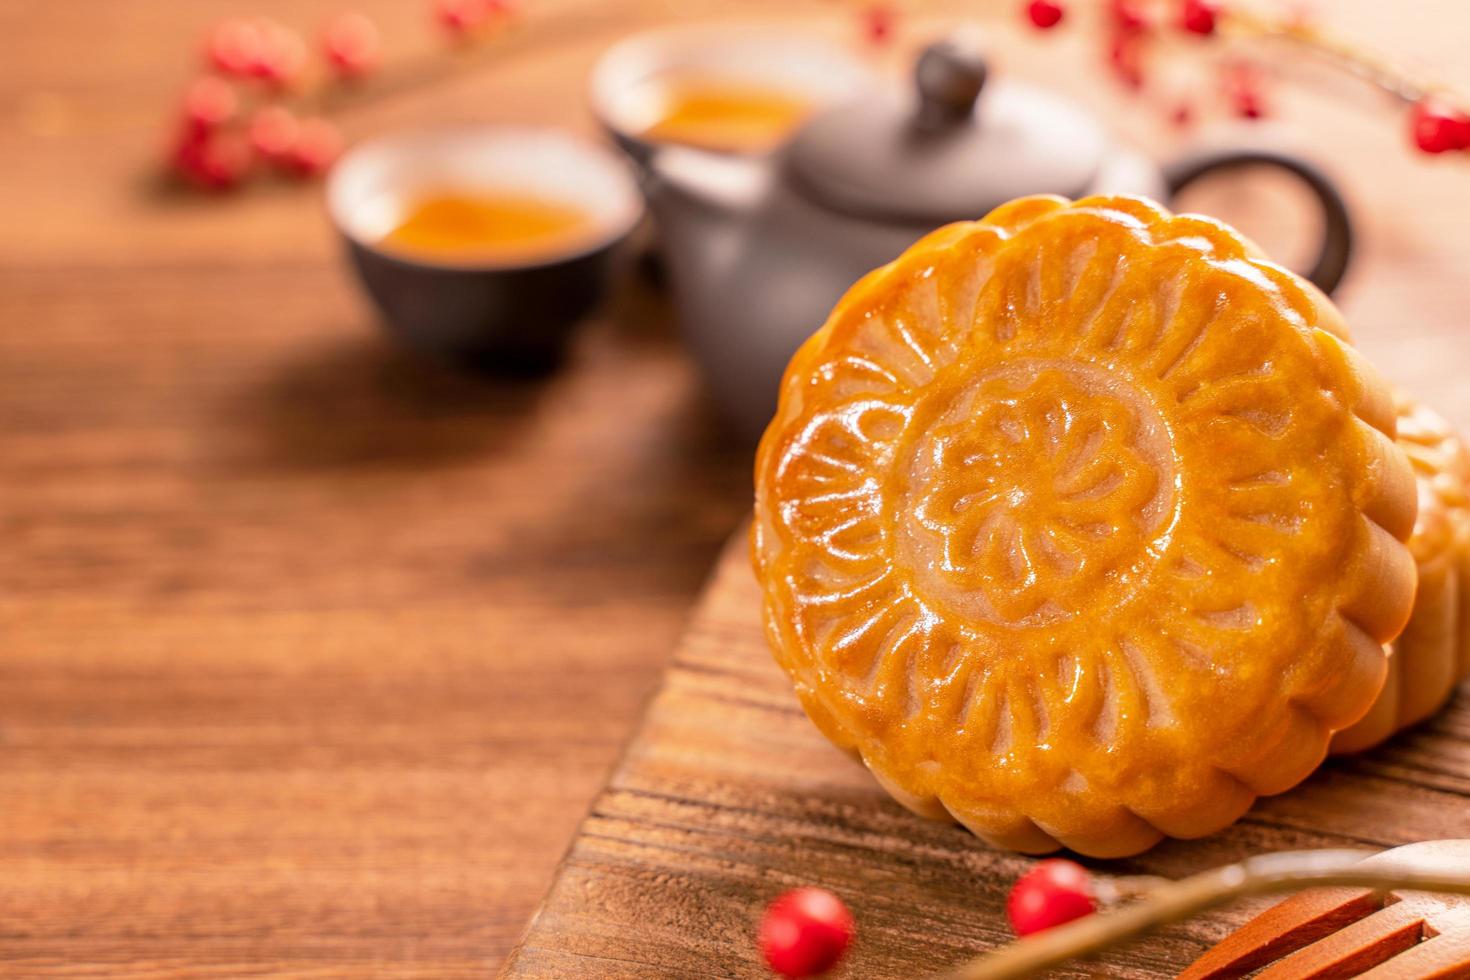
[[1083, 525], [1432, 654]]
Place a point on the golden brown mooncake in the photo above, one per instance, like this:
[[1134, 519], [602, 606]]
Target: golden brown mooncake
[[1084, 525], [1432, 654]]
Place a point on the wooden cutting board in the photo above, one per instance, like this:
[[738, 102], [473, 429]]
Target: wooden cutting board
[[727, 796]]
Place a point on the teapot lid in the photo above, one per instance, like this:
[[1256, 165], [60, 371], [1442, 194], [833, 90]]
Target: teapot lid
[[937, 159]]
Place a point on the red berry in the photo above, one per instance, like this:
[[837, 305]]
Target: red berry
[[234, 46], [1128, 16], [217, 162], [1045, 14], [1439, 128], [282, 53], [879, 20], [1125, 57], [1051, 893], [209, 103], [462, 16], [1199, 16], [351, 44], [273, 133], [1243, 91], [805, 932], [318, 144], [1248, 105], [1462, 131]]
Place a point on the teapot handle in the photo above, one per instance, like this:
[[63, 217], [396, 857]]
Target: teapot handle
[[1337, 228]]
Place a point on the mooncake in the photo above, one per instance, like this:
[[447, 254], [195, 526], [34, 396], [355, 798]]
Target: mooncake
[[1432, 654], [1084, 525]]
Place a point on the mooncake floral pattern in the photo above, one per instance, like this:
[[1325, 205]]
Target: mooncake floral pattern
[[1058, 484], [1064, 520]]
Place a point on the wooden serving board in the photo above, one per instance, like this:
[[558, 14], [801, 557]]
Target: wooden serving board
[[727, 795]]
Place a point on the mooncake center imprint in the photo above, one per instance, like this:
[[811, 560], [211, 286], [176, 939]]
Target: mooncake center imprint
[[1032, 487]]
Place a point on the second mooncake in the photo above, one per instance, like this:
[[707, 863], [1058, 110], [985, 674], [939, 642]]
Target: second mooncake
[[1432, 654], [1082, 525]]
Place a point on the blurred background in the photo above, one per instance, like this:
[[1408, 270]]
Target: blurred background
[[316, 639]]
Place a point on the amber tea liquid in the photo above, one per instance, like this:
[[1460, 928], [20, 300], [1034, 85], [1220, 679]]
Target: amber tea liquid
[[732, 117], [489, 226]]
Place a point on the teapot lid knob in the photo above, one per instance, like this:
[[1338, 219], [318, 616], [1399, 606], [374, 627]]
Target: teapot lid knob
[[922, 158], [949, 75]]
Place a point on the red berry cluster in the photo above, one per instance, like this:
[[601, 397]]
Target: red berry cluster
[[235, 122], [258, 48], [465, 18], [1131, 26], [1435, 125], [237, 118], [1132, 16]]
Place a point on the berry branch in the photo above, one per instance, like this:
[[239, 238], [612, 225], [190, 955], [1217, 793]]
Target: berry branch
[[264, 103], [259, 107], [1071, 930], [1136, 31], [1439, 122]]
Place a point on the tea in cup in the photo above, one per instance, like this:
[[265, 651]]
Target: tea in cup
[[462, 225], [484, 244], [737, 89]]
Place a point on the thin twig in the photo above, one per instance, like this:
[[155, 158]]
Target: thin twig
[[1338, 52]]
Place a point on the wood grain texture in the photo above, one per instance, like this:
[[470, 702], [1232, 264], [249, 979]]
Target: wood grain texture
[[728, 795], [312, 656]]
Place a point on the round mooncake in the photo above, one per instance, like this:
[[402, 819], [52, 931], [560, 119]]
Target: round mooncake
[[1432, 654], [1082, 524]]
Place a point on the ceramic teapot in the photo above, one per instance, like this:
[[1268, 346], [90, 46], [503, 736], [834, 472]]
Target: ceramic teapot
[[759, 249]]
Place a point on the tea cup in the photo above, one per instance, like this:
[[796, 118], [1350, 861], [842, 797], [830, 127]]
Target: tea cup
[[503, 313]]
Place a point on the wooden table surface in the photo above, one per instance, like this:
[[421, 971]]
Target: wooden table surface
[[728, 795], [311, 656]]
